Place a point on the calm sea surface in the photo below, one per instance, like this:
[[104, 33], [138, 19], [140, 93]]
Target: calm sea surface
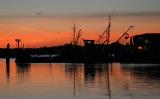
[[79, 81]]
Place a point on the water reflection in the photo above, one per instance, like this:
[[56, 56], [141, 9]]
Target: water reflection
[[90, 71], [74, 73], [98, 73], [23, 70], [92, 75], [143, 71], [79, 81], [8, 69]]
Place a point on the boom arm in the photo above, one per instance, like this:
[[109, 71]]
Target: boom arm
[[125, 34], [78, 36], [105, 36]]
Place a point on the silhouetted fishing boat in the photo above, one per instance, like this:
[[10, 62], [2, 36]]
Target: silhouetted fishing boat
[[139, 48], [145, 48]]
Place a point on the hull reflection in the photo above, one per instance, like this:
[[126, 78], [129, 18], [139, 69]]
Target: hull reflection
[[79, 81]]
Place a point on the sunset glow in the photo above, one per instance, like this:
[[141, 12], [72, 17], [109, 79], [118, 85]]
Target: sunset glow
[[51, 31], [50, 23], [79, 49]]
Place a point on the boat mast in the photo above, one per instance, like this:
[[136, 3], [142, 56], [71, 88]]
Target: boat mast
[[74, 34], [104, 38]]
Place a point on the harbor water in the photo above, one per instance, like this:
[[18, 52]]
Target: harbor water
[[78, 81]]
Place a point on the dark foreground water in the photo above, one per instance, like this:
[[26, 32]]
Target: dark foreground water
[[79, 81]]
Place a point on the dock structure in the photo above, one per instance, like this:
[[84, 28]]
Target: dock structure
[[145, 48]]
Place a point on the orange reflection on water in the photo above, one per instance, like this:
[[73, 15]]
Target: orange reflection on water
[[76, 80]]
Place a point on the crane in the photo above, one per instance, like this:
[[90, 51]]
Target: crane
[[105, 36], [125, 35], [76, 36]]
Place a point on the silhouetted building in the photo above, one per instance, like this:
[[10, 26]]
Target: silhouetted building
[[147, 41]]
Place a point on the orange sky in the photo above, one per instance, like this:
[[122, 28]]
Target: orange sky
[[53, 31]]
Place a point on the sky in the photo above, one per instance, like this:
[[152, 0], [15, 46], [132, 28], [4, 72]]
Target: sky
[[50, 22]]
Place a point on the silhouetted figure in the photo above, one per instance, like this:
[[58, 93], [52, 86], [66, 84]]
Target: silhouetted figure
[[8, 51], [8, 62]]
